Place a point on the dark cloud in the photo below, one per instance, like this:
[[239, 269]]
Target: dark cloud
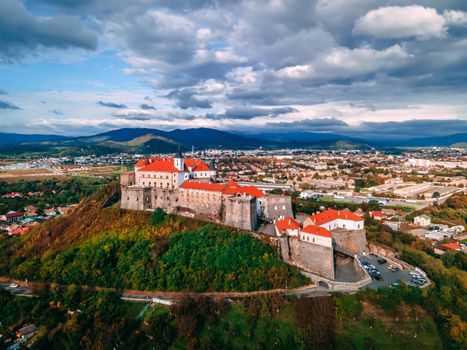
[[57, 111], [319, 124], [185, 98], [22, 33], [250, 112], [133, 116], [111, 104], [411, 128], [7, 105], [147, 107]]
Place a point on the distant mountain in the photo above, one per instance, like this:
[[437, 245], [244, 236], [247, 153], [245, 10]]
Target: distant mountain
[[151, 140], [441, 141], [14, 139], [141, 140], [305, 137]]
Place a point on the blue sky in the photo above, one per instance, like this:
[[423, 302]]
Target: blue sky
[[364, 68]]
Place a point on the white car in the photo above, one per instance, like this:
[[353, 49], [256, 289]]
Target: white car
[[13, 285]]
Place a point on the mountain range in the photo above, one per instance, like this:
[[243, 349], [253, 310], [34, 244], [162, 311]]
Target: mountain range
[[141, 140]]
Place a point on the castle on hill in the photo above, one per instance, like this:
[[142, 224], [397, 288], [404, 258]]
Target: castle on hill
[[188, 187]]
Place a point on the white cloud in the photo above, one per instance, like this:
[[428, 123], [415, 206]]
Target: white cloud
[[395, 22], [345, 63], [453, 17]]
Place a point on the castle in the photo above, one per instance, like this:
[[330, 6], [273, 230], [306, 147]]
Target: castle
[[188, 187], [313, 246]]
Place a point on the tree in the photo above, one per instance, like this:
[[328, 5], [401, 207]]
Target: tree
[[436, 195]]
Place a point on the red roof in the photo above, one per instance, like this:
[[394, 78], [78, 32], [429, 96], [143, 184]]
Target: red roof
[[453, 246], [247, 191], [378, 214], [203, 186], [331, 214], [287, 223], [229, 188], [167, 165], [160, 165], [12, 214], [196, 164], [317, 230]]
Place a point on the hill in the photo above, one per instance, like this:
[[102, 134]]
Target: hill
[[15, 139], [142, 140], [127, 250]]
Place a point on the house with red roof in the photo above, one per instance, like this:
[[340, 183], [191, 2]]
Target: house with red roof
[[12, 216], [287, 226], [332, 219], [316, 235], [444, 248], [377, 215]]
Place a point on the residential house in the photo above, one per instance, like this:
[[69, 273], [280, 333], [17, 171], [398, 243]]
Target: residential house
[[422, 220]]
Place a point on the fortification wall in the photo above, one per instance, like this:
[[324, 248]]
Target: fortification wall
[[240, 212], [135, 198], [354, 240], [312, 257], [277, 205], [208, 203], [127, 179], [164, 198]]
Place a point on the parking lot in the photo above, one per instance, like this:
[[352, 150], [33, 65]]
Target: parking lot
[[388, 277]]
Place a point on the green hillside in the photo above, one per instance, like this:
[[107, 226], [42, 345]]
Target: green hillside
[[108, 247]]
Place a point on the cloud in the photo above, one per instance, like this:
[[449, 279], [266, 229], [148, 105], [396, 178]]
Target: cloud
[[147, 107], [111, 104], [22, 33], [7, 105], [455, 18], [318, 124], [3, 92], [342, 63], [411, 128], [396, 22], [57, 111], [133, 116], [247, 113], [186, 99]]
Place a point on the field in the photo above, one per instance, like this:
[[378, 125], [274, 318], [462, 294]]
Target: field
[[57, 173]]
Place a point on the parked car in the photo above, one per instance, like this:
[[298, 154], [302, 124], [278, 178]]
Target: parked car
[[382, 261]]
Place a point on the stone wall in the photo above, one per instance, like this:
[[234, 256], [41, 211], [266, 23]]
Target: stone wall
[[240, 212], [135, 198], [354, 240], [277, 205], [127, 179], [312, 258]]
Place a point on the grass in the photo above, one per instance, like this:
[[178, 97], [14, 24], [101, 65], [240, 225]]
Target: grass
[[377, 334]]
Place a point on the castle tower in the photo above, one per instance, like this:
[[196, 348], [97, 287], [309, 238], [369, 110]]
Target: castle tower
[[178, 160]]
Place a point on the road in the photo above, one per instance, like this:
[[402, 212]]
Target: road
[[147, 296], [22, 291]]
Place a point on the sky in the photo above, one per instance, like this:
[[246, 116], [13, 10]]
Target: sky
[[362, 68]]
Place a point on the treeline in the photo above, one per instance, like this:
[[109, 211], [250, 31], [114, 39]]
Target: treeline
[[207, 259], [54, 192], [452, 212], [71, 318]]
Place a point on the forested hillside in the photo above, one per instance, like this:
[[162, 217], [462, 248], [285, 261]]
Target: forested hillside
[[108, 247]]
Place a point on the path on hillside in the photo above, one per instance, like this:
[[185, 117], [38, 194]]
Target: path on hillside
[[26, 290]]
